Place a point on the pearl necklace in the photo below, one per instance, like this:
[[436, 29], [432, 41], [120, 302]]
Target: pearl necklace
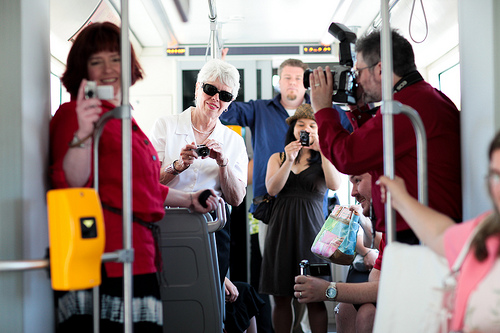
[[201, 132]]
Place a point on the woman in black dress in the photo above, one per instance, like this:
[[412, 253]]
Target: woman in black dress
[[299, 177]]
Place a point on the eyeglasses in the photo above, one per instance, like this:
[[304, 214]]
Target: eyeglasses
[[211, 90], [357, 72], [493, 177]]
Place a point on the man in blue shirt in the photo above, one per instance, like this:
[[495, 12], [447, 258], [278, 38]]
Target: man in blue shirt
[[266, 120]]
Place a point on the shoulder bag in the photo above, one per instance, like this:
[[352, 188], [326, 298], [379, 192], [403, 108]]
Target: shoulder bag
[[336, 240], [417, 289], [265, 203]]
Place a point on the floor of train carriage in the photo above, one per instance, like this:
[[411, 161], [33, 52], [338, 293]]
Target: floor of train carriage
[[332, 328]]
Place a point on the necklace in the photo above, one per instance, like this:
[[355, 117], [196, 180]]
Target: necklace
[[201, 132]]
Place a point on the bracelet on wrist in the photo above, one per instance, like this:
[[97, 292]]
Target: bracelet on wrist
[[179, 171], [223, 164], [366, 253], [173, 166], [172, 170], [80, 143]]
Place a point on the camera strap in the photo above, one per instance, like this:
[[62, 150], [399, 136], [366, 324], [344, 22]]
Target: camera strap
[[407, 80]]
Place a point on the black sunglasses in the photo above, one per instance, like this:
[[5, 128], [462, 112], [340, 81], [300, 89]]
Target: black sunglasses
[[211, 90]]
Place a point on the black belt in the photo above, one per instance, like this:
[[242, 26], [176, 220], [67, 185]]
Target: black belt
[[155, 230]]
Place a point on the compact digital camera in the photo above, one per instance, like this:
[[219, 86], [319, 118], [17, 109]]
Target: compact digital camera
[[304, 138], [92, 90], [202, 150], [344, 80]]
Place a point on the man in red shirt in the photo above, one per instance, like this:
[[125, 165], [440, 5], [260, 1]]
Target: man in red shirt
[[362, 151]]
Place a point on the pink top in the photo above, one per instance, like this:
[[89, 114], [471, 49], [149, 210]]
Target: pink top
[[472, 271]]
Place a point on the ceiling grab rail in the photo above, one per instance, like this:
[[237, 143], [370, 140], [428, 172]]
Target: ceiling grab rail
[[388, 109], [123, 112], [214, 36]]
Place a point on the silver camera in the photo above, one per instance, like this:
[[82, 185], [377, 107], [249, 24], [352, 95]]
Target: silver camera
[[92, 90]]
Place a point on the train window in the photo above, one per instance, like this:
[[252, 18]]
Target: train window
[[444, 74], [58, 94], [449, 83], [259, 83]]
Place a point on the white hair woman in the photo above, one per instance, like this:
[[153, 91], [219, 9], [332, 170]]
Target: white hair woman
[[197, 151]]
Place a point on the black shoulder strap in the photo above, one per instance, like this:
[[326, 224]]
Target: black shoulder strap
[[408, 80]]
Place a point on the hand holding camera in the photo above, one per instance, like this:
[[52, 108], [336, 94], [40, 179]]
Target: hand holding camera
[[202, 150], [88, 111]]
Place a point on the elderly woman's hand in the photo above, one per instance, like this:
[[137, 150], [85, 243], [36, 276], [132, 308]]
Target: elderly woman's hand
[[216, 152], [88, 112], [187, 156]]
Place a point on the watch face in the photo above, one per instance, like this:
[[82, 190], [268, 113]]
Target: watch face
[[331, 293]]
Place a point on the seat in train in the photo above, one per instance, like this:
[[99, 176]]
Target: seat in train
[[191, 295]]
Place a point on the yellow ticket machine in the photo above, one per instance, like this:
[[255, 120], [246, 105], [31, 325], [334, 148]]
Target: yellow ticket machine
[[76, 236]]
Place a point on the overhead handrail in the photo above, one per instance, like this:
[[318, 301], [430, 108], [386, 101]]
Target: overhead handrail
[[214, 37]]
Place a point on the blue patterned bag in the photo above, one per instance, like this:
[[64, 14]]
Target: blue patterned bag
[[336, 240]]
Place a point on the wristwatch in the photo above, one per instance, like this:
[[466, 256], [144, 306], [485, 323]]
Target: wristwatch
[[331, 291]]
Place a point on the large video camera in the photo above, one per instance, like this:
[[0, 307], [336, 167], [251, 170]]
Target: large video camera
[[344, 81]]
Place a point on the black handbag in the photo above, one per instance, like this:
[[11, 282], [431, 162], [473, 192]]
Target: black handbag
[[265, 202], [264, 207]]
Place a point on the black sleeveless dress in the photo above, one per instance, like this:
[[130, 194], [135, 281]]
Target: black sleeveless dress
[[296, 219]]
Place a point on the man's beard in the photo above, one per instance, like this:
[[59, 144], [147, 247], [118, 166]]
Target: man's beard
[[291, 96]]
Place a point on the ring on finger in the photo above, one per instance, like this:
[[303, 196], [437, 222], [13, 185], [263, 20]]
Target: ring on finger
[[317, 85], [300, 294]]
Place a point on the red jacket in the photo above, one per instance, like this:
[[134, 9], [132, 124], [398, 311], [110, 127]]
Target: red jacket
[[362, 151], [148, 195]]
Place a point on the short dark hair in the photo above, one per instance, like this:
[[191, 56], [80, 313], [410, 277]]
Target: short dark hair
[[94, 38], [402, 52], [291, 63]]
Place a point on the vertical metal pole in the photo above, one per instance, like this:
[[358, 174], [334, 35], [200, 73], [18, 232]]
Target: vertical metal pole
[[213, 29], [387, 112], [126, 167]]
